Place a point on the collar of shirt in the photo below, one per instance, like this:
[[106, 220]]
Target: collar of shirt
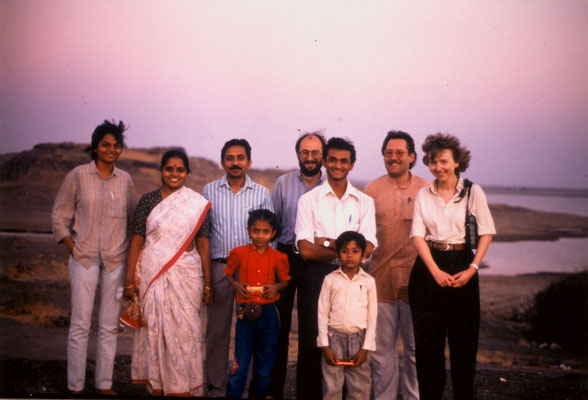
[[326, 189], [458, 188], [248, 183], [94, 170], [402, 186], [319, 182], [360, 273]]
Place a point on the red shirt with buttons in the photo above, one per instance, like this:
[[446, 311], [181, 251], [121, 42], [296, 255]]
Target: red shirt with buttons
[[257, 269]]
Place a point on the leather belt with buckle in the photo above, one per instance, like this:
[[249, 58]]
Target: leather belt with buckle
[[446, 246], [220, 260]]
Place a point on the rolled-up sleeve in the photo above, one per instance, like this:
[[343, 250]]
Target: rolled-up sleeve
[[482, 212], [367, 225], [418, 225], [62, 214], [369, 342], [304, 228]]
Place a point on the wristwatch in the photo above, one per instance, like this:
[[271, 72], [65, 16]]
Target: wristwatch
[[327, 243]]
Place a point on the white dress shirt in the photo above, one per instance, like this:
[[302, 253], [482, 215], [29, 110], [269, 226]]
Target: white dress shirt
[[349, 306], [436, 220], [322, 214]]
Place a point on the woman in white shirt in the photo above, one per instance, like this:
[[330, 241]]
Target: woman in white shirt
[[443, 287]]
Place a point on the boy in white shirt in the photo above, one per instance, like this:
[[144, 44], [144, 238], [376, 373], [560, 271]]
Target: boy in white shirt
[[347, 315]]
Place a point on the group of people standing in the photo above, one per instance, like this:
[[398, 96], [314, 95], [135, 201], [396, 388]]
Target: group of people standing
[[177, 250]]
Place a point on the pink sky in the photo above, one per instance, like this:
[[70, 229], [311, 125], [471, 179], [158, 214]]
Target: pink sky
[[507, 77]]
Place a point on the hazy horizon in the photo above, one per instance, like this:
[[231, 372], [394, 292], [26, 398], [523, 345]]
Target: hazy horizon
[[506, 77]]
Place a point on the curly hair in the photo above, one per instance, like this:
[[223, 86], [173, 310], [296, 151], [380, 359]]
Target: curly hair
[[106, 128], [434, 144], [340, 144]]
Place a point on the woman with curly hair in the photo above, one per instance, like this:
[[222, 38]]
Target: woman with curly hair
[[443, 287]]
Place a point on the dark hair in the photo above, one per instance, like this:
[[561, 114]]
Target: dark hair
[[263, 214], [435, 144], [319, 136], [236, 142], [175, 153], [409, 143], [350, 236], [104, 129], [340, 144]]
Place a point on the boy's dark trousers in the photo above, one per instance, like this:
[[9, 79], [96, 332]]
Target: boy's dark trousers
[[308, 370]]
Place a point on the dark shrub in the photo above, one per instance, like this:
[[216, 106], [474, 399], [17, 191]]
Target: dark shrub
[[560, 314]]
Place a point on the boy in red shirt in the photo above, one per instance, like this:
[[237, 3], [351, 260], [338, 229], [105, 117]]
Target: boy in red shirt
[[262, 272]]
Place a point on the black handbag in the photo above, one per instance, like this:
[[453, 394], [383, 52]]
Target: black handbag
[[471, 224]]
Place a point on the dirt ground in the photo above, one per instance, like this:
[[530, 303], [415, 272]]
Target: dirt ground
[[34, 319]]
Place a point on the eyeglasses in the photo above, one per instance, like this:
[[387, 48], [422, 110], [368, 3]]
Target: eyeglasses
[[391, 153], [306, 153]]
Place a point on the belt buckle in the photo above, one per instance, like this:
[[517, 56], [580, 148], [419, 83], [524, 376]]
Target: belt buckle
[[446, 246]]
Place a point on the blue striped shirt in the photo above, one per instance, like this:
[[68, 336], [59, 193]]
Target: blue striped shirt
[[287, 191], [230, 211]]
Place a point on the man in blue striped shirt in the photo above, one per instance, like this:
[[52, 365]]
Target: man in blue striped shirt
[[232, 196], [287, 190]]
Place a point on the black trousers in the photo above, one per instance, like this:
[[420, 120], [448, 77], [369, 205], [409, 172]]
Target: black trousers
[[285, 305], [439, 313], [308, 371]]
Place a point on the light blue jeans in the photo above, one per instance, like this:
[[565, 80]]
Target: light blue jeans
[[394, 319], [84, 282]]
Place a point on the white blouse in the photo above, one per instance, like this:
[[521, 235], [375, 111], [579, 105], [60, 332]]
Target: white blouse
[[436, 220]]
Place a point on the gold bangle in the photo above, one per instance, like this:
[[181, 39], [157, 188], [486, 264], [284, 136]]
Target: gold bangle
[[130, 286], [207, 287]]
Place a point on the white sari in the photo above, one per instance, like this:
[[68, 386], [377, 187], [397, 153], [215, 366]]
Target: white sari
[[167, 352]]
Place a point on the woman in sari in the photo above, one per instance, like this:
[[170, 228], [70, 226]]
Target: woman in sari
[[172, 279]]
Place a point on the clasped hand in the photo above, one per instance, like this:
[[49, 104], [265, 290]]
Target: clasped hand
[[443, 279], [331, 359], [270, 290]]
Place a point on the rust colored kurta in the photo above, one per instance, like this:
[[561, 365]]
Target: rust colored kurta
[[392, 260]]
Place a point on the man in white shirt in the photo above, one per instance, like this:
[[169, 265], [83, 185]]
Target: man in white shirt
[[323, 214]]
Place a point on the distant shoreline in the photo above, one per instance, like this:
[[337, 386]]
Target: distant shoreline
[[533, 191]]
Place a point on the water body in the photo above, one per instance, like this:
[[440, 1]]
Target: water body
[[567, 205], [564, 255]]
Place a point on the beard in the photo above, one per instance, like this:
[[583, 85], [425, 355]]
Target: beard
[[310, 172]]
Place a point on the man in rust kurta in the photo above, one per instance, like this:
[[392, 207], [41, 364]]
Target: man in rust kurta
[[391, 265]]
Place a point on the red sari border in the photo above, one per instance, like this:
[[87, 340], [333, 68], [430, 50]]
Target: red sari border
[[175, 258]]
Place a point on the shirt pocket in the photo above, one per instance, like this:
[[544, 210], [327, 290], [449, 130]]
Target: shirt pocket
[[361, 294], [407, 208], [115, 207]]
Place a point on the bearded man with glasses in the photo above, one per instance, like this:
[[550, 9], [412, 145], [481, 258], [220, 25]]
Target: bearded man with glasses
[[287, 190]]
